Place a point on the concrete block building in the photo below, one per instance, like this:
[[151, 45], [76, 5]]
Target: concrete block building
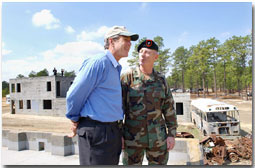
[[46, 96], [39, 95], [182, 106]]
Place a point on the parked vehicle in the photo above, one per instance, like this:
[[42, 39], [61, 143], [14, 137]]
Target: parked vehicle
[[214, 117]]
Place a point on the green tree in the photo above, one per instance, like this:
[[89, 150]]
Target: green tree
[[32, 74], [240, 49], [5, 88], [43, 72], [190, 76], [20, 76], [69, 74], [201, 57], [180, 57], [213, 59], [162, 62], [224, 62]]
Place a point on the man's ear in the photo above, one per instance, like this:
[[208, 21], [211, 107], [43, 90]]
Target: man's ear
[[110, 40], [156, 56]]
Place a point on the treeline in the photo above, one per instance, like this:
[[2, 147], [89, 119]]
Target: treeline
[[225, 67], [44, 72], [5, 88]]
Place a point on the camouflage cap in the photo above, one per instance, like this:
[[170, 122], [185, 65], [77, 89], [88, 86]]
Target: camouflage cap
[[120, 30], [148, 44]]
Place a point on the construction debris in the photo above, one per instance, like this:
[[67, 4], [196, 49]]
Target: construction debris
[[217, 150], [184, 135]]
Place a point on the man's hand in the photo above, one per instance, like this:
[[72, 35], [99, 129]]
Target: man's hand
[[74, 126], [170, 141]]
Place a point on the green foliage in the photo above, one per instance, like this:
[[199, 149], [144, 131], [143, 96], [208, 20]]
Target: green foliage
[[43, 72], [20, 76], [5, 88], [162, 63], [32, 74], [180, 58], [214, 65], [69, 74]]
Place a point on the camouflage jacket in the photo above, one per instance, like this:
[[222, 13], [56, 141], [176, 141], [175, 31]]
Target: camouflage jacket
[[149, 109]]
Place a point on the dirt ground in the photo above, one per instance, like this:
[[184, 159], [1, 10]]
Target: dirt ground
[[24, 122]]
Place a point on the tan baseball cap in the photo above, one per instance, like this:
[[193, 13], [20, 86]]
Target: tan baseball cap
[[120, 30]]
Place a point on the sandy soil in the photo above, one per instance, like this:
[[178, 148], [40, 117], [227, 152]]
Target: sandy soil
[[22, 122], [62, 125]]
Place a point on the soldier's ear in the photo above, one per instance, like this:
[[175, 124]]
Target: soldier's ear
[[156, 55]]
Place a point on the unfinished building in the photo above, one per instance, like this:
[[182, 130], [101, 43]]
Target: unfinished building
[[46, 96], [182, 106], [39, 95]]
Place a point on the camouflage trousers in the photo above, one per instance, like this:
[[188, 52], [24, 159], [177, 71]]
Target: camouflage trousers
[[135, 155]]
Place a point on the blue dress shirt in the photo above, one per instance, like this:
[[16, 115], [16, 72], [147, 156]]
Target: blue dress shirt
[[96, 90]]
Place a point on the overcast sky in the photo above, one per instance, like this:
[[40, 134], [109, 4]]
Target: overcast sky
[[60, 34]]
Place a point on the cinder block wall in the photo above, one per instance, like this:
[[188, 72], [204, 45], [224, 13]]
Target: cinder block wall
[[185, 150], [35, 90], [185, 99], [57, 144]]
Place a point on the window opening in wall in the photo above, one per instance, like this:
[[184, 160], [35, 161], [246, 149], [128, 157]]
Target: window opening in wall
[[41, 146], [21, 104], [48, 86], [58, 88], [179, 108], [18, 87], [28, 104], [13, 88], [47, 104]]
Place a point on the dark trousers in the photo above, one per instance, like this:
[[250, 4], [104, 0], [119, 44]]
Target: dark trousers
[[99, 143]]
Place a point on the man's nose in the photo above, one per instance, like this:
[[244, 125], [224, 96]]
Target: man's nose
[[143, 55]]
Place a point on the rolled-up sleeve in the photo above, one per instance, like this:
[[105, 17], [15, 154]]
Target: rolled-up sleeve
[[86, 80]]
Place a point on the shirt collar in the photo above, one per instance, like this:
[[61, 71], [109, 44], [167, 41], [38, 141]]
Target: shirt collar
[[141, 75], [112, 59]]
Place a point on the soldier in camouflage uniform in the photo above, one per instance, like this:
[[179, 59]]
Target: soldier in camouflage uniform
[[150, 119]]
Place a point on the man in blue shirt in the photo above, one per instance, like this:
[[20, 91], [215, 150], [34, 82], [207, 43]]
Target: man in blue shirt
[[94, 101]]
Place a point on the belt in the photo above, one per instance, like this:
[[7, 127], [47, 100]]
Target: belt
[[99, 122]]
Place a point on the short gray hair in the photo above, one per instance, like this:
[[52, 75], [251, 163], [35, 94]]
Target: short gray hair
[[106, 41]]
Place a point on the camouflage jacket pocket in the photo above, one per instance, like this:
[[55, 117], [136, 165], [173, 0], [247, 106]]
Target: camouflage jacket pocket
[[136, 97], [158, 98]]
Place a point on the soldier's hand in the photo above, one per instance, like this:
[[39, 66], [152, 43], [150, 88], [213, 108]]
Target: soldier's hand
[[73, 128], [170, 143]]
